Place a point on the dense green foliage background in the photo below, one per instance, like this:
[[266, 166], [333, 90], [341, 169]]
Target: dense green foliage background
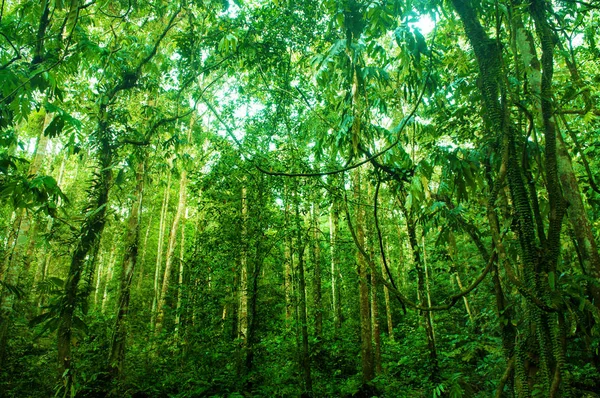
[[271, 198]]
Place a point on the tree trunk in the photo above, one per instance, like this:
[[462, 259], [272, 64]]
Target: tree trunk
[[318, 309], [335, 272], [388, 308], [288, 281], [46, 254], [159, 251], [453, 254], [171, 250], [366, 344], [577, 215], [89, 235], [16, 260], [375, 326], [422, 294], [243, 285], [109, 275], [304, 349], [538, 261], [130, 257], [180, 277], [142, 261]]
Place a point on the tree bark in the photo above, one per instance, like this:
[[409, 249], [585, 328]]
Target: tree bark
[[388, 307], [538, 261], [89, 235], [130, 258], [453, 254], [422, 293], [159, 251], [109, 275], [335, 272], [288, 281], [16, 261], [375, 326], [170, 255], [180, 278], [366, 344], [318, 308], [302, 312]]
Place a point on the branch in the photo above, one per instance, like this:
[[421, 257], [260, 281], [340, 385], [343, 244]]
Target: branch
[[509, 368], [15, 58], [367, 160], [452, 300], [380, 238]]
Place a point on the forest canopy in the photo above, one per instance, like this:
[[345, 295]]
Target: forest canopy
[[337, 198]]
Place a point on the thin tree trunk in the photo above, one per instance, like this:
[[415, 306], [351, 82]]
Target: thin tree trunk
[[427, 290], [577, 215], [45, 255], [130, 257], [109, 275], [22, 233], [335, 272], [254, 271], [422, 292], [537, 261], [318, 309], [288, 281], [375, 326], [98, 279], [243, 285], [159, 251], [171, 250], [142, 261], [180, 277], [366, 344], [89, 235], [453, 254], [304, 350], [388, 308]]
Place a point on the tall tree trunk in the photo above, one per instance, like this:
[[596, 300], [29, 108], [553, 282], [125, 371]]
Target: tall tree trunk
[[504, 310], [318, 309], [254, 271], [46, 254], [366, 344], [98, 279], [335, 271], [375, 325], [89, 235], [142, 261], [130, 257], [159, 251], [388, 308], [288, 281], [171, 250], [109, 275], [243, 284], [538, 261], [422, 293], [180, 277], [16, 260], [453, 252], [584, 236], [304, 348]]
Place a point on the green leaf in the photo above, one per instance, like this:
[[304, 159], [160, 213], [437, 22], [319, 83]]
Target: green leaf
[[55, 127]]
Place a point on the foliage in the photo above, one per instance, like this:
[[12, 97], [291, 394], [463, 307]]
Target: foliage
[[195, 197]]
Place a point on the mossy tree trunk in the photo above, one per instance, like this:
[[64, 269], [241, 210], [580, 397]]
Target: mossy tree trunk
[[130, 259]]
